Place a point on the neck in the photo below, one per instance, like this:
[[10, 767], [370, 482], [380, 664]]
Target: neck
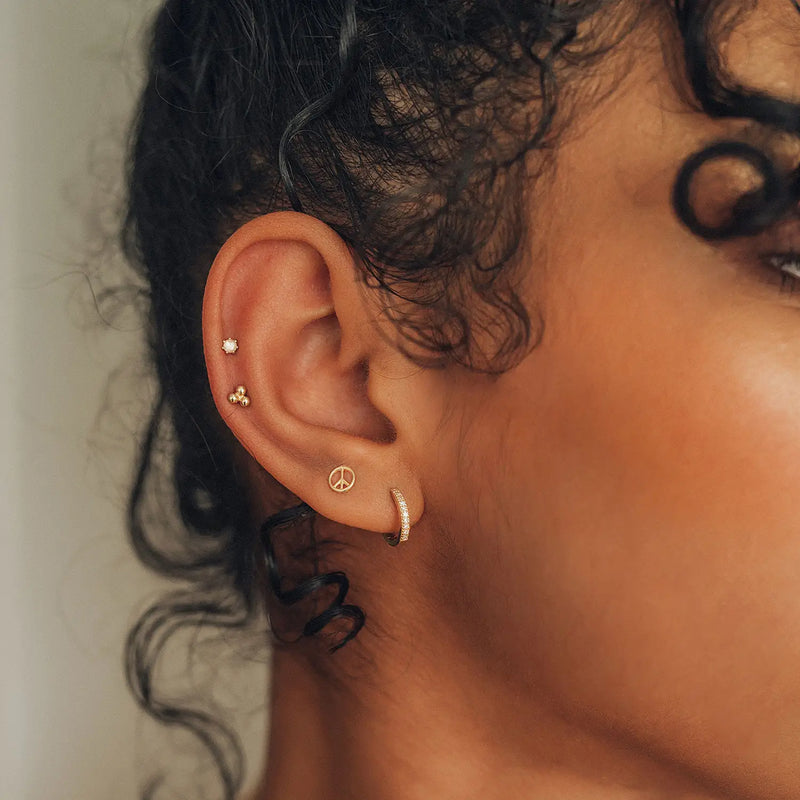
[[424, 723]]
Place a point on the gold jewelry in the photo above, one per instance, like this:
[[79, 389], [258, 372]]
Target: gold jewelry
[[240, 397], [230, 346], [405, 524], [341, 479]]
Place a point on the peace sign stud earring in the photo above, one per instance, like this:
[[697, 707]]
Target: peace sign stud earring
[[341, 479]]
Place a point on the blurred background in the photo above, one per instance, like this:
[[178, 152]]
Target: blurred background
[[73, 398]]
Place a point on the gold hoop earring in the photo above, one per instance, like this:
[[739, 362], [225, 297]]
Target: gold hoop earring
[[405, 524]]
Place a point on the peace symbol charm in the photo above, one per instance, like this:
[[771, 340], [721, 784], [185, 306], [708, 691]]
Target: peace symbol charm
[[341, 479]]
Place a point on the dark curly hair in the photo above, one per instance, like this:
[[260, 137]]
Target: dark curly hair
[[410, 128]]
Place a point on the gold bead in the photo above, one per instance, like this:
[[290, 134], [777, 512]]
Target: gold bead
[[240, 397]]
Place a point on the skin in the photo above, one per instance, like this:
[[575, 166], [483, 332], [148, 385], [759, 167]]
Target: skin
[[600, 598]]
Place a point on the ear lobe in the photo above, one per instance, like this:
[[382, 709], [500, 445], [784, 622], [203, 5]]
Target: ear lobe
[[286, 287]]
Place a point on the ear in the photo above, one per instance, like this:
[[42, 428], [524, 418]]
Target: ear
[[323, 387]]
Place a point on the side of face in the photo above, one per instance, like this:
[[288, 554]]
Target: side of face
[[635, 537]]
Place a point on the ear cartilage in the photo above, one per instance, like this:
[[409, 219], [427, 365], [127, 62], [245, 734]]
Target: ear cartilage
[[239, 397], [230, 346]]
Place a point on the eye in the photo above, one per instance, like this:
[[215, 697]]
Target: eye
[[787, 266]]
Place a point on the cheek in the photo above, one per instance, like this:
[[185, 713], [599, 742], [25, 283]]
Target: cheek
[[653, 466]]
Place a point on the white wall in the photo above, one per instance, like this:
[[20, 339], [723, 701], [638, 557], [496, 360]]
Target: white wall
[[70, 586]]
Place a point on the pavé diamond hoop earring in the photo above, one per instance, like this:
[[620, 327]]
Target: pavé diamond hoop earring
[[405, 524]]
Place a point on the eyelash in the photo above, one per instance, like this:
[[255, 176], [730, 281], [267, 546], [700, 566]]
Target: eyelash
[[787, 266]]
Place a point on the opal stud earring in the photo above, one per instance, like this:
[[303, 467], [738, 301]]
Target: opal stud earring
[[239, 397], [230, 346]]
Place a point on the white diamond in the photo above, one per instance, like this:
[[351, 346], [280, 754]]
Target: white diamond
[[230, 346]]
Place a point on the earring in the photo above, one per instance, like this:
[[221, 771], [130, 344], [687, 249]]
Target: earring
[[240, 397], [230, 346], [405, 524], [341, 479]]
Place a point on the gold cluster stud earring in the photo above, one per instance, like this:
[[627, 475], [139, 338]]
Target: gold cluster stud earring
[[239, 397]]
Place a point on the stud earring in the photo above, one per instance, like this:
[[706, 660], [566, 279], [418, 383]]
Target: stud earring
[[341, 479], [230, 346], [405, 524], [240, 397]]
